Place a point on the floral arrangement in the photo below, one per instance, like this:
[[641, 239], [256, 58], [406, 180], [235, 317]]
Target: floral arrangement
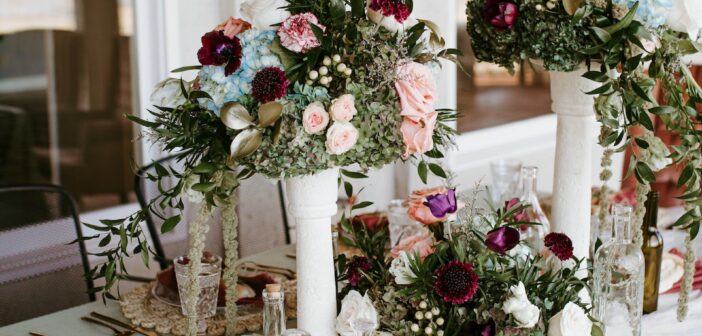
[[293, 88], [627, 47], [470, 275]]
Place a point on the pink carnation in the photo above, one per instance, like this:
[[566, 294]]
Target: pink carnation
[[296, 33]]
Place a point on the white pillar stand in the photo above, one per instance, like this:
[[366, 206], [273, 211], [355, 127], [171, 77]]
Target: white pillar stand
[[576, 135], [312, 201]]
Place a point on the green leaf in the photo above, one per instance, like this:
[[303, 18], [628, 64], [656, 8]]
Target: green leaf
[[170, 224], [353, 174], [199, 94], [142, 122], [645, 172], [318, 32], [358, 8], [640, 92], [434, 154], [204, 168], [600, 90], [348, 187], [641, 143], [688, 47], [596, 330], [123, 238], [437, 170], [204, 187], [160, 170], [596, 76], [694, 230], [601, 34], [661, 110], [686, 175], [624, 22], [422, 171], [361, 205], [104, 241], [187, 68], [685, 219]]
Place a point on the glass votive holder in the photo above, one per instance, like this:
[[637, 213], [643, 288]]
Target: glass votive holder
[[208, 279]]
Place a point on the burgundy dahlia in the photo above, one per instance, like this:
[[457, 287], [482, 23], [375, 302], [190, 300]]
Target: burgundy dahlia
[[442, 204], [395, 8], [560, 245], [456, 282], [500, 14], [355, 270], [502, 239], [218, 49], [269, 84]]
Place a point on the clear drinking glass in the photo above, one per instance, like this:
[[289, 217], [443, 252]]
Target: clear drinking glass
[[505, 180], [209, 287], [400, 224], [273, 310], [534, 233], [618, 279]]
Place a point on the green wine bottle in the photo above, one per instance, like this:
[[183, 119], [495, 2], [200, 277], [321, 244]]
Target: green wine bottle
[[652, 249]]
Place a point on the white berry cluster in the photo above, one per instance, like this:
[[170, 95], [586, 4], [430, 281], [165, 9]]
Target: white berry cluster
[[330, 66], [551, 4], [429, 320]]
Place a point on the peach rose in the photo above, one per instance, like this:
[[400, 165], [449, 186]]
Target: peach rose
[[343, 108], [422, 244], [233, 27], [417, 136], [420, 212], [341, 137], [315, 118], [417, 90]]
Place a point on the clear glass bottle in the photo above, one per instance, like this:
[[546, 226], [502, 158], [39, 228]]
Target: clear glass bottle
[[652, 249], [534, 234], [618, 279], [273, 310]]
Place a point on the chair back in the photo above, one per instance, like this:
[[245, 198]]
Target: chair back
[[40, 271]]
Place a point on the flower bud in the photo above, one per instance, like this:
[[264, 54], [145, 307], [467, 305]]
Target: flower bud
[[336, 58], [341, 67], [415, 327], [423, 305], [539, 7], [324, 81], [550, 5], [440, 321], [309, 82], [313, 75], [435, 311], [327, 61], [428, 331], [323, 71], [419, 316], [428, 315]]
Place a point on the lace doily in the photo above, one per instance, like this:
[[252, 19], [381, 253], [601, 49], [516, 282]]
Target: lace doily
[[140, 307]]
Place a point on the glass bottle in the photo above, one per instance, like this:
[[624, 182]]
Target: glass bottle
[[533, 234], [652, 249], [273, 310], [618, 279]]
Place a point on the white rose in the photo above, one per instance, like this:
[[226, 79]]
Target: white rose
[[167, 93], [686, 17], [525, 313], [356, 309], [400, 268], [262, 14], [571, 321], [315, 119], [341, 137], [343, 108], [192, 195]]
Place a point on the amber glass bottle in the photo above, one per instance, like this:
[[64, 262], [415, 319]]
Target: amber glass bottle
[[652, 250]]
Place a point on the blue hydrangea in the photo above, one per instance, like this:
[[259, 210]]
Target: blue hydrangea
[[652, 13], [256, 55]]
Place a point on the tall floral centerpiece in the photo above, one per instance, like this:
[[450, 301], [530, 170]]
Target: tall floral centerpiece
[[294, 90], [607, 55]]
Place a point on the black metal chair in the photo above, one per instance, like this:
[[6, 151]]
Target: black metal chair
[[40, 271], [142, 187]]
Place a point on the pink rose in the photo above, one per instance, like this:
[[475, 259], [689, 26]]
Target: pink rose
[[417, 90], [422, 244], [417, 136], [343, 108], [341, 137], [296, 33], [420, 212], [315, 118], [233, 27]]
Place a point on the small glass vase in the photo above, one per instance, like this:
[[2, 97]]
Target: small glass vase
[[400, 224], [618, 279], [273, 311], [208, 279], [533, 234], [505, 180]]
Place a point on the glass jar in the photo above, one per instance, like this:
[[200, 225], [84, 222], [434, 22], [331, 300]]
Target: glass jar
[[618, 279], [399, 222], [505, 180], [273, 310], [533, 234]]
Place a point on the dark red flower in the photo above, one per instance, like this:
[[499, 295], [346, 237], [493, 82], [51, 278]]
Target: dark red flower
[[500, 14], [502, 239], [395, 8], [218, 49], [355, 269], [269, 84], [519, 216], [372, 221], [560, 245], [456, 282]]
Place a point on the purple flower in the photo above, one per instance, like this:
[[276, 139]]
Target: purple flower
[[502, 239], [442, 204], [219, 49], [500, 14]]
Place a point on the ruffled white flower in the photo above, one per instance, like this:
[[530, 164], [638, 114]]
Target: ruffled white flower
[[400, 268], [356, 309], [263, 14], [524, 312], [168, 93], [686, 17], [192, 195], [571, 321]]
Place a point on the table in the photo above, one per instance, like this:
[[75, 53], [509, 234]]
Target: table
[[67, 322]]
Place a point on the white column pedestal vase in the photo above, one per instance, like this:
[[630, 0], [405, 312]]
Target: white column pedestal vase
[[312, 202], [575, 137]]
